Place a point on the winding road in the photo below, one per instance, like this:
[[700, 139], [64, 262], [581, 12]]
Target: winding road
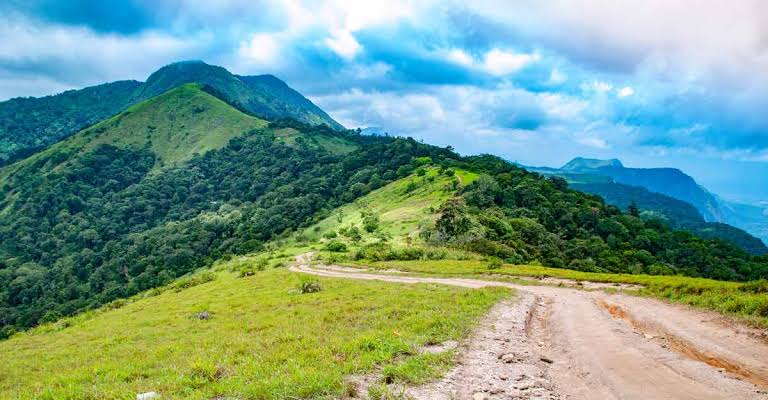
[[566, 343]]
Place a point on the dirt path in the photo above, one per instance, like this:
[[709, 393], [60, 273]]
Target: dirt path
[[563, 343]]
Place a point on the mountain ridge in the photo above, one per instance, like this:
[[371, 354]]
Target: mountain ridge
[[612, 180], [30, 124]]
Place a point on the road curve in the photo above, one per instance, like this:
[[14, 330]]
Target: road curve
[[566, 343]]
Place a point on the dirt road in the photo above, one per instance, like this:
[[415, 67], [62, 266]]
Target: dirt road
[[565, 343]]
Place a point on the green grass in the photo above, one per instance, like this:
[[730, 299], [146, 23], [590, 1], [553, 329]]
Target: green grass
[[264, 340], [401, 212], [175, 125], [748, 301]]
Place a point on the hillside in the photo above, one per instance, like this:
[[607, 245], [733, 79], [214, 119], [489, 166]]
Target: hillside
[[261, 338], [244, 328], [28, 125], [121, 207], [676, 213], [666, 192], [669, 181]]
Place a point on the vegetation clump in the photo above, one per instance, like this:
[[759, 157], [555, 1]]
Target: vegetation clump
[[336, 246], [308, 285]]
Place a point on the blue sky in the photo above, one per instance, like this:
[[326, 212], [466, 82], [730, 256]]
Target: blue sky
[[654, 83]]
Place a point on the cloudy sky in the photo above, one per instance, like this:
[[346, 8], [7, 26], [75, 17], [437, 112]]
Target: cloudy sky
[[654, 83]]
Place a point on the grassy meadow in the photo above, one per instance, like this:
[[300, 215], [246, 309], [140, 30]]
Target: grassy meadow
[[401, 207], [263, 339]]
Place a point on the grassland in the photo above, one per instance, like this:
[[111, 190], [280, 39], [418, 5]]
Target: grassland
[[174, 125], [263, 340], [748, 301], [401, 206]]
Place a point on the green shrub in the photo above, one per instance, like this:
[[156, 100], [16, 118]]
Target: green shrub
[[308, 285], [330, 235], [494, 263], [336, 246]]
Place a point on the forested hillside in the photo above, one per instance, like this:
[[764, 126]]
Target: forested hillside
[[523, 217], [117, 209], [675, 213], [28, 125], [86, 222]]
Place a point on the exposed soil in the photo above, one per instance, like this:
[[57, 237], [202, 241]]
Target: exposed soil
[[564, 343]]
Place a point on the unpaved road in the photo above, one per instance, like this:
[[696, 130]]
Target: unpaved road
[[564, 343]]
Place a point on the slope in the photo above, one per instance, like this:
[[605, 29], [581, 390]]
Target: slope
[[677, 213], [97, 217], [30, 124], [225, 335], [173, 127], [669, 181], [667, 192]]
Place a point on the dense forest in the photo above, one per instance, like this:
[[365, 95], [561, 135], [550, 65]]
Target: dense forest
[[31, 124]]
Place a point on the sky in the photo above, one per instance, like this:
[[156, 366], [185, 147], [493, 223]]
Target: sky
[[654, 83]]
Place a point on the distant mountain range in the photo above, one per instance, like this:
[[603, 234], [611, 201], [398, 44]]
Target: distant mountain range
[[671, 193], [30, 124]]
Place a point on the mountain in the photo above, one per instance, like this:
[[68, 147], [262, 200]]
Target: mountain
[[579, 164], [669, 181], [28, 125], [676, 213], [665, 192], [186, 178]]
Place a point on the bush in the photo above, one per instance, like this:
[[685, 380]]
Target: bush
[[336, 246], [246, 271], [308, 285], [494, 263], [370, 222], [330, 235], [385, 252], [262, 264], [353, 233]]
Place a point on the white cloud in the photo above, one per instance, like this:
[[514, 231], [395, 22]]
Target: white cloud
[[593, 142], [73, 57], [343, 43], [625, 91], [459, 56], [499, 62], [699, 39], [596, 86], [260, 49], [557, 77]]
